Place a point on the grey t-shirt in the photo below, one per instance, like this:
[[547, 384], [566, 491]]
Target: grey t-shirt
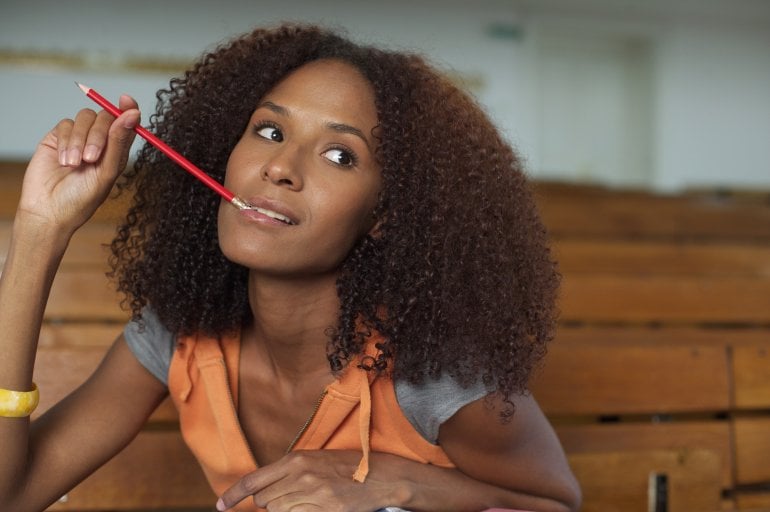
[[426, 406]]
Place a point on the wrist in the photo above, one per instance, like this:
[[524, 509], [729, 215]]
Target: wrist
[[402, 495], [413, 485], [408, 484], [18, 404], [39, 234], [391, 481]]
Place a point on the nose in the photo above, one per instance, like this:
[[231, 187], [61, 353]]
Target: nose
[[283, 168]]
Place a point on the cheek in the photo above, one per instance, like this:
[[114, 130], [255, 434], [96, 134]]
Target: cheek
[[357, 212], [230, 174], [237, 163]]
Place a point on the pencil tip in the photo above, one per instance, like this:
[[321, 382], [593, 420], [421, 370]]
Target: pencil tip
[[83, 88]]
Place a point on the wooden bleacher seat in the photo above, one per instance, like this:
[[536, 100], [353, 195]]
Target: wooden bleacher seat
[[620, 481], [664, 336], [661, 363]]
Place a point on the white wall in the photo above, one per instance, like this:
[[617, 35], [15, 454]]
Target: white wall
[[689, 107], [713, 107], [451, 31], [593, 103]]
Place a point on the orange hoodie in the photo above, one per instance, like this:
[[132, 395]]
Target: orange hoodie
[[358, 412]]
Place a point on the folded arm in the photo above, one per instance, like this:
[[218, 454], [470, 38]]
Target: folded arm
[[517, 464]]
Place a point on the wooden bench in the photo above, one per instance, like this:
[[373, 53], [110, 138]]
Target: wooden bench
[[629, 480], [663, 348], [659, 367]]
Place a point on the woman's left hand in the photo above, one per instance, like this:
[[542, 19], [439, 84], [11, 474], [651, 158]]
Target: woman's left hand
[[309, 480]]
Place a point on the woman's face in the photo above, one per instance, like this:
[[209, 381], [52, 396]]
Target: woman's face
[[307, 160]]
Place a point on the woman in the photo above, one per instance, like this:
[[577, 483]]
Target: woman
[[361, 339]]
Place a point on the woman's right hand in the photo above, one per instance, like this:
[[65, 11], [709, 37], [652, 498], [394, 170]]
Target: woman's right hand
[[75, 166]]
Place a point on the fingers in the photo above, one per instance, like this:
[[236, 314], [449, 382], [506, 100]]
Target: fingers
[[317, 478], [249, 485], [70, 136], [85, 138]]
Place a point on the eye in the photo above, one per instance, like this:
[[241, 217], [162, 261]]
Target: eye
[[341, 157], [269, 131]]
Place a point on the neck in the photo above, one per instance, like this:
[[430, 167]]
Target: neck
[[291, 322]]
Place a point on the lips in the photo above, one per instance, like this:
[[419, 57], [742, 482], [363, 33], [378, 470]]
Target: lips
[[262, 207]]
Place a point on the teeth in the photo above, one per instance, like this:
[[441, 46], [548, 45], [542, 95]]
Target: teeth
[[273, 215]]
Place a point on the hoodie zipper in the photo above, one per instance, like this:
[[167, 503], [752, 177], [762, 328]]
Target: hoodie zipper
[[296, 438], [308, 422]]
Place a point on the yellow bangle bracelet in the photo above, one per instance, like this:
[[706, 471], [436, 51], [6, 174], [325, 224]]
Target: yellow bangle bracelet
[[18, 404]]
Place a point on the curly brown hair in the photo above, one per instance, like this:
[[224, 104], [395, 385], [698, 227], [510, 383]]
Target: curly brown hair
[[459, 278]]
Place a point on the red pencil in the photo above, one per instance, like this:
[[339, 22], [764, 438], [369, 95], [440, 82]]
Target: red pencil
[[165, 148]]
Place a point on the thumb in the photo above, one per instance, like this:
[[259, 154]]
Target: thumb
[[119, 139]]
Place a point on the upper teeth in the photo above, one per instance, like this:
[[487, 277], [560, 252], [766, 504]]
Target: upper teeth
[[273, 215]]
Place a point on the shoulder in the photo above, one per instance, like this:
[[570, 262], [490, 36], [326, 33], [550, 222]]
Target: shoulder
[[429, 404], [151, 343], [520, 452], [526, 423]]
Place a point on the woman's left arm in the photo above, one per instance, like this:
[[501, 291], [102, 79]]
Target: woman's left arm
[[514, 464], [522, 457], [517, 464]]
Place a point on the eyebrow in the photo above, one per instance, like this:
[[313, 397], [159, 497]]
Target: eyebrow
[[346, 128], [337, 127], [275, 108]]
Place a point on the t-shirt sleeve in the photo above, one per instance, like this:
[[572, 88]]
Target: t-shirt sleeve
[[151, 343], [428, 405]]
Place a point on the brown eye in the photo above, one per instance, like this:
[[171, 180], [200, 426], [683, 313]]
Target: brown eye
[[269, 132], [340, 157]]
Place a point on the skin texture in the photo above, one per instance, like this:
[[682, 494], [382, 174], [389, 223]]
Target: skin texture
[[299, 172], [295, 289]]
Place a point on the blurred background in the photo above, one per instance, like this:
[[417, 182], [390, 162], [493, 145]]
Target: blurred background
[[659, 94], [646, 127]]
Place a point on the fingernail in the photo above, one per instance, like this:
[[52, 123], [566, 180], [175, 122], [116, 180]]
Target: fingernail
[[73, 156], [62, 157], [130, 122], [221, 505], [91, 152]]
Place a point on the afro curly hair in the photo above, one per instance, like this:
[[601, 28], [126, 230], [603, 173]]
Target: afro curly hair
[[459, 279]]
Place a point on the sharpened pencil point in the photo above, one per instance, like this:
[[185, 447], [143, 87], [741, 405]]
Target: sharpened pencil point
[[83, 88]]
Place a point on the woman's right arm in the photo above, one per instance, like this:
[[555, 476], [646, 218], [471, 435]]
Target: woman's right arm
[[69, 176]]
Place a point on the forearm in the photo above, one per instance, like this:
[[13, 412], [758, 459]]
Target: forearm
[[33, 258], [423, 487]]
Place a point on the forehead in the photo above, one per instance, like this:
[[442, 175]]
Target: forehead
[[328, 84]]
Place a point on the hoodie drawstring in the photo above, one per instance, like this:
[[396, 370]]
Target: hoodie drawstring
[[364, 423]]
